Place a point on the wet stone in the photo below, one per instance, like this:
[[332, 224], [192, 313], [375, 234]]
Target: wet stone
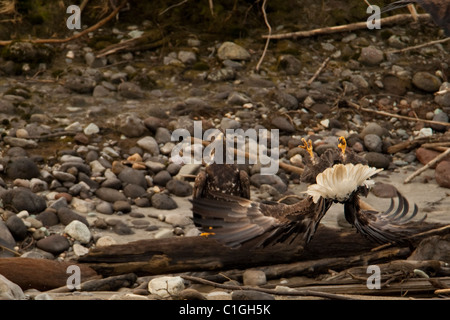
[[179, 188], [130, 90], [48, 218], [377, 160], [109, 194], [384, 190], [163, 201], [162, 178], [283, 124], [134, 191], [426, 81], [80, 84], [371, 56], [122, 206], [17, 227], [23, 199], [104, 207], [22, 168], [54, 244], [440, 117], [373, 143], [442, 174], [7, 240], [66, 216]]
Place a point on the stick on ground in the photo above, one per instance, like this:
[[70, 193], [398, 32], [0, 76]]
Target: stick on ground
[[429, 164], [397, 19]]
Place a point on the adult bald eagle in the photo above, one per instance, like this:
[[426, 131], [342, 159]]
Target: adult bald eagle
[[234, 220], [439, 10], [345, 184]]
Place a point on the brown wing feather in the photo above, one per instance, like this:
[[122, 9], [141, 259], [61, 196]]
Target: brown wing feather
[[392, 225], [234, 220]]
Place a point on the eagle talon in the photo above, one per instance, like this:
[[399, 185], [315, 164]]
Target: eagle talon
[[307, 145]]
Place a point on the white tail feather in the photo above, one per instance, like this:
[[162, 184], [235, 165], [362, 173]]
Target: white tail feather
[[340, 181]]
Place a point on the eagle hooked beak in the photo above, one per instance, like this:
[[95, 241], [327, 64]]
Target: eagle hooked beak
[[342, 145]]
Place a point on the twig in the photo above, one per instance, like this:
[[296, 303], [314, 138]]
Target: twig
[[270, 291], [173, 6], [419, 46], [268, 39], [387, 114], [211, 7], [399, 18], [429, 164], [318, 71], [8, 249], [76, 36]]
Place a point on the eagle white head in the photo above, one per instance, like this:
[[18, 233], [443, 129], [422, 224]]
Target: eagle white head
[[340, 181]]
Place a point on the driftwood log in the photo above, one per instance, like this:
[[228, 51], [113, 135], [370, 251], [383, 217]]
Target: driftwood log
[[41, 274], [190, 254]]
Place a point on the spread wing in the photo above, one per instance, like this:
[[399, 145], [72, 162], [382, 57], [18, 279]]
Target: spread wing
[[235, 221], [231, 220], [394, 225]]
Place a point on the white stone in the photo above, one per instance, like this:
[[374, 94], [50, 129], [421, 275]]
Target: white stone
[[254, 278], [76, 126], [38, 185], [82, 206], [164, 233], [105, 241], [23, 214], [232, 51], [425, 132], [296, 160], [22, 133], [97, 167], [80, 250], [149, 144], [91, 129], [178, 219], [218, 295], [166, 286], [79, 231], [9, 290]]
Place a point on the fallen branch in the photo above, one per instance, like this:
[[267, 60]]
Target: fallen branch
[[428, 165], [419, 46], [268, 39], [318, 266], [400, 18], [318, 71], [76, 36], [290, 292], [388, 114]]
